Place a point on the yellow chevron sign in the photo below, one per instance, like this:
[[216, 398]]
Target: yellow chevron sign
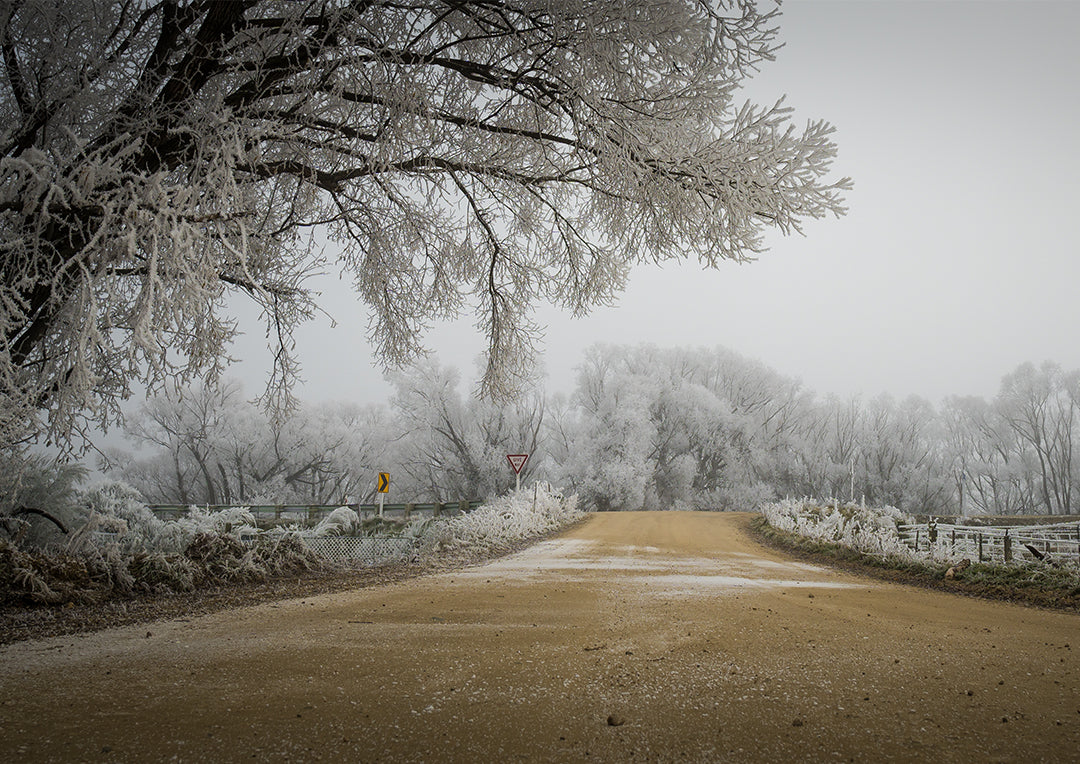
[[384, 482]]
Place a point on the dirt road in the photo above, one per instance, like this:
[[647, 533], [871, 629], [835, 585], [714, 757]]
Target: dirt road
[[637, 637]]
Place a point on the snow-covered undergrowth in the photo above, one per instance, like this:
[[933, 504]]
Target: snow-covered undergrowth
[[518, 516], [872, 530], [121, 548]]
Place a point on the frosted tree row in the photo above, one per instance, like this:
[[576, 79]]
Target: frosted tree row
[[645, 428]]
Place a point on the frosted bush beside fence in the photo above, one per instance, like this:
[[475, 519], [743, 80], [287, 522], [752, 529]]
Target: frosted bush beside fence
[[514, 517], [865, 529], [118, 510], [343, 521]]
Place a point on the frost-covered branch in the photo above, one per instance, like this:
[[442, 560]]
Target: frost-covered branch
[[157, 158]]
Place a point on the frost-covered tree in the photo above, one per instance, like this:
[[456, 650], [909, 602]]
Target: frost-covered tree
[[658, 430], [37, 498], [179, 433], [207, 445], [993, 474], [452, 448], [1042, 407], [609, 464], [902, 457], [157, 157], [828, 448]]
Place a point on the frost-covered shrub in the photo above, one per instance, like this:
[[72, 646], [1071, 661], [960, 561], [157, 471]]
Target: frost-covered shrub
[[516, 516], [117, 508], [94, 572], [865, 529], [159, 573], [343, 521], [222, 558], [56, 576], [231, 521], [121, 548], [284, 554], [37, 498]]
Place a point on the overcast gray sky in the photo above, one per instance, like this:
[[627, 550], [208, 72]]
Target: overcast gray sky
[[957, 261]]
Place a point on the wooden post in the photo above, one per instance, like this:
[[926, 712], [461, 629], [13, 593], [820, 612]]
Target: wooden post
[[1007, 546], [916, 539], [980, 548]]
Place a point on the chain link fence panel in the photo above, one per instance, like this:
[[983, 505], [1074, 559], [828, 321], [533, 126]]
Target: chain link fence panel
[[367, 550]]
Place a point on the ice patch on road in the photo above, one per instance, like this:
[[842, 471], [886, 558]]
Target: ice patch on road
[[683, 584], [653, 570]]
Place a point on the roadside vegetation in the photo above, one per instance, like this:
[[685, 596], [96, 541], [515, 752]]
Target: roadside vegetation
[[1030, 583], [121, 564]]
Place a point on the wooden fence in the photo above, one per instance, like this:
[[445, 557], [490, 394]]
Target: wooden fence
[[268, 515], [1060, 541]]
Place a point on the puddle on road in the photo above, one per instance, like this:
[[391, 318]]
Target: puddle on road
[[652, 570]]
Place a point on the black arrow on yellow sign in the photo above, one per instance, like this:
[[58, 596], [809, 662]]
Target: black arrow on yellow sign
[[384, 482]]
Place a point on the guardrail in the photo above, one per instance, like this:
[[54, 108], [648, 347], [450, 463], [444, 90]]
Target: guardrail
[[311, 514], [1060, 541]]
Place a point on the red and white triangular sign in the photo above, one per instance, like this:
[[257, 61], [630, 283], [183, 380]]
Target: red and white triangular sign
[[517, 461]]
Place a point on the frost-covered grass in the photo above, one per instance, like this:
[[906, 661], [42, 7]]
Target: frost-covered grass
[[864, 529], [498, 525]]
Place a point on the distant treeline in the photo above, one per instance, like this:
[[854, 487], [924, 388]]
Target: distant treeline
[[645, 427]]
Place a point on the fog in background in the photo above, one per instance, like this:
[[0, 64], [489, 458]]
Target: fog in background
[[956, 261]]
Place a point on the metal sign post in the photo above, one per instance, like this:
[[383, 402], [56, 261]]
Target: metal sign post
[[384, 488], [517, 461]]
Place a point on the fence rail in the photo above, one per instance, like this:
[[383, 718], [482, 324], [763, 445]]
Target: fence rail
[[996, 543], [278, 514]]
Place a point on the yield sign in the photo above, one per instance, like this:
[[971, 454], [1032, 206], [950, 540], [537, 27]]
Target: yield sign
[[517, 461]]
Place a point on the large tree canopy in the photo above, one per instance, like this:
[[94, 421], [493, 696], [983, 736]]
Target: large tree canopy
[[156, 157]]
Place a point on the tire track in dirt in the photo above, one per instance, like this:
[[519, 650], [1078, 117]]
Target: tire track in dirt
[[635, 637]]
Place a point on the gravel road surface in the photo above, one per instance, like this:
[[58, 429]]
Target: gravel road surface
[[635, 637]]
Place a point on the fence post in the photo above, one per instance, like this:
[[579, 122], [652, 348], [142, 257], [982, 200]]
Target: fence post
[[916, 540], [954, 540], [1007, 546], [980, 547]]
